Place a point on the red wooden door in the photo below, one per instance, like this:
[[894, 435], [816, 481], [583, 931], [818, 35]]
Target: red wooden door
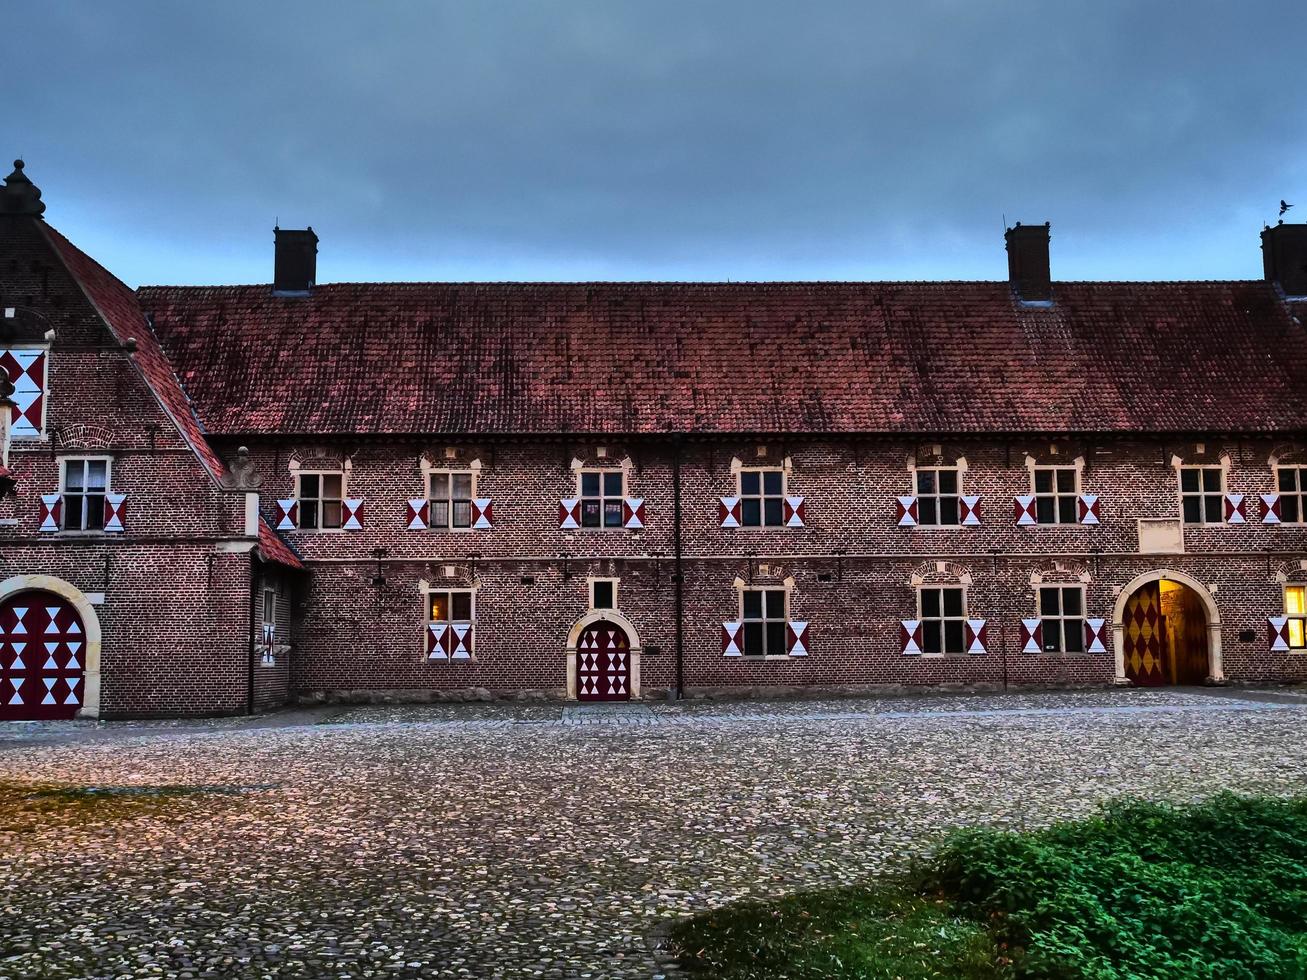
[[42, 657], [603, 664], [1145, 637]]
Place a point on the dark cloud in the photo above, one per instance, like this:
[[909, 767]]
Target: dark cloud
[[606, 139]]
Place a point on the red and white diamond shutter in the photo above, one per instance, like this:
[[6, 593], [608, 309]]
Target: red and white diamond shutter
[[1095, 636], [1277, 631], [26, 369], [970, 511], [1023, 509], [483, 514], [732, 639], [351, 514], [1271, 509], [417, 515], [437, 641], [633, 513], [977, 635], [42, 657], [115, 509], [1235, 512], [52, 511], [728, 512], [449, 641], [794, 512], [905, 511], [796, 638], [1087, 508], [288, 515], [569, 514], [1032, 636], [910, 636]]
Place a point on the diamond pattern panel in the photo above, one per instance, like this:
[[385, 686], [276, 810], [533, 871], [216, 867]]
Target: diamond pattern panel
[[42, 657], [1145, 637], [26, 369], [603, 664]]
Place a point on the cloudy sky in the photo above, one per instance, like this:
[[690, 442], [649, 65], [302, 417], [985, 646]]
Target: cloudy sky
[[713, 139]]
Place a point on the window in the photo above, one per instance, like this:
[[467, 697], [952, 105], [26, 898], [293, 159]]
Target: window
[[1295, 608], [452, 607], [269, 607], [762, 496], [1291, 481], [601, 498], [938, 489], [603, 593], [1062, 618], [943, 620], [320, 496], [1056, 497], [764, 622], [1202, 494], [449, 500], [86, 481]]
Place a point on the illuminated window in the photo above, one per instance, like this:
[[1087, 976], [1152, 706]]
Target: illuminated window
[[1062, 616], [453, 607], [943, 619], [1055, 495], [1202, 494], [1292, 484], [938, 489], [1295, 607]]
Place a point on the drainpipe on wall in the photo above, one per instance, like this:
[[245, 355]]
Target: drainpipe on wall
[[677, 576], [249, 657]]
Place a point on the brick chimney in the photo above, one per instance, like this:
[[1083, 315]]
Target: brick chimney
[[1027, 262], [1284, 257], [296, 267]]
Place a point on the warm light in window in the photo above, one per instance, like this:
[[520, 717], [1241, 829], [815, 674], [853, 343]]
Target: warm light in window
[[1293, 600]]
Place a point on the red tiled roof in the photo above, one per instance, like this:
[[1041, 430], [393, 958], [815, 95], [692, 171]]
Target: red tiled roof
[[779, 357], [121, 312], [273, 548]]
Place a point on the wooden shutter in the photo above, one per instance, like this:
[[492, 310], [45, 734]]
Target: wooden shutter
[[977, 635], [460, 641], [1087, 508], [905, 510], [569, 513], [1235, 513], [970, 510], [288, 515], [1095, 636], [796, 638], [351, 514], [1023, 509], [26, 369], [794, 512], [418, 515], [633, 513], [1032, 636], [1277, 631], [483, 514], [115, 505], [910, 636], [732, 639], [437, 641], [728, 513], [52, 511], [1271, 509]]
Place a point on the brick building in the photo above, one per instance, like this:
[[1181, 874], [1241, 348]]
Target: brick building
[[227, 497]]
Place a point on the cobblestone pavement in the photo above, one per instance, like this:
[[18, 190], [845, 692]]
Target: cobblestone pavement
[[549, 841]]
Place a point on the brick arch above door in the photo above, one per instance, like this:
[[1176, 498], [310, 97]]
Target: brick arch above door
[[603, 616]]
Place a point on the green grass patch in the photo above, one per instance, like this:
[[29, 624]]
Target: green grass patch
[[28, 807], [1216, 890]]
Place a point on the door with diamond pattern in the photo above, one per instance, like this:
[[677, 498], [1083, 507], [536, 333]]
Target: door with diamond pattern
[[1146, 651], [42, 657], [603, 664]]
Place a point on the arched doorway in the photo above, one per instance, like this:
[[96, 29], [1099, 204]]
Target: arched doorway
[[1168, 632], [43, 657], [599, 620]]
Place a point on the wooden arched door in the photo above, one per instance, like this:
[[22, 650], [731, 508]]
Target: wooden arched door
[[42, 657], [603, 663]]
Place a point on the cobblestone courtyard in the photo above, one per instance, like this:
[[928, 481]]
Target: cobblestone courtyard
[[544, 841]]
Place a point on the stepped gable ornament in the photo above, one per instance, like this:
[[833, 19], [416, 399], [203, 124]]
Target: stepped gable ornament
[[20, 195], [241, 472]]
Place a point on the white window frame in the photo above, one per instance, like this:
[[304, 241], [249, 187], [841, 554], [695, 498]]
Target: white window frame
[[447, 475], [942, 619], [1061, 617], [450, 590], [64, 492], [1201, 493], [1299, 494], [767, 654], [299, 498], [1056, 495], [935, 495], [591, 587], [603, 497], [762, 496], [1299, 619]]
